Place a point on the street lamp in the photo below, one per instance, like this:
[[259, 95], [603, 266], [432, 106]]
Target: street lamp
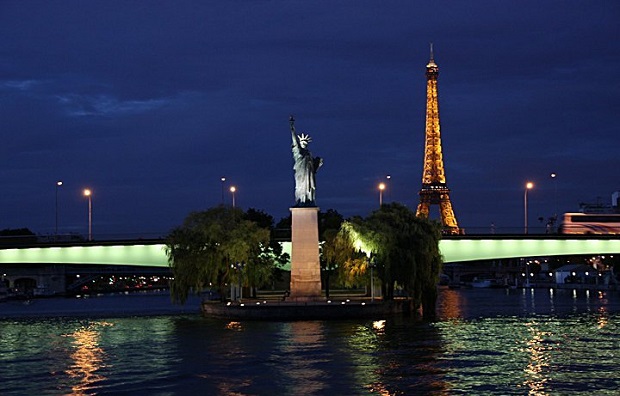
[[528, 186], [222, 179], [381, 188], [232, 191], [58, 184], [88, 194], [555, 194]]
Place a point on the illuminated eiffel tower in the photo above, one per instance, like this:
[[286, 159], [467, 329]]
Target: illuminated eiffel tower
[[434, 189]]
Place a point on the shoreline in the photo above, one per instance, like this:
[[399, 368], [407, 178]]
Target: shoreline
[[106, 305]]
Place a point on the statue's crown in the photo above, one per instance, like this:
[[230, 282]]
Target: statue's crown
[[305, 138]]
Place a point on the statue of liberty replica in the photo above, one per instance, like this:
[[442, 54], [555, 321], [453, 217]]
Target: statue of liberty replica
[[305, 168], [305, 266]]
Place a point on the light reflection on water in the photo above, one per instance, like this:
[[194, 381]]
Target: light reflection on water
[[88, 357], [537, 342], [561, 342], [538, 364], [300, 347]]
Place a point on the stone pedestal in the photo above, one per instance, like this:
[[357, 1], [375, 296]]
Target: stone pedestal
[[305, 265]]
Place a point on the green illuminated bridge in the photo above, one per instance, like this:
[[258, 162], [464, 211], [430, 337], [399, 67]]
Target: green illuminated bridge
[[454, 249]]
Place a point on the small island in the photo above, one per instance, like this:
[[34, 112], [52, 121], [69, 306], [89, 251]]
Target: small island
[[392, 254]]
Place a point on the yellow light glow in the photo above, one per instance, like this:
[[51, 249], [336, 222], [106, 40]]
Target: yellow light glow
[[358, 243], [233, 189], [88, 357], [381, 186], [378, 324], [87, 192], [529, 185]]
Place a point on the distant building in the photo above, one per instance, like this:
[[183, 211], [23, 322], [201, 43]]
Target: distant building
[[600, 207], [575, 273]]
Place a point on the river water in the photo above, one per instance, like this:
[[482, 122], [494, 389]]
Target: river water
[[485, 342]]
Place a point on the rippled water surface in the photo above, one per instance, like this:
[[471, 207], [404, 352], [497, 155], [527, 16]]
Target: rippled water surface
[[536, 342]]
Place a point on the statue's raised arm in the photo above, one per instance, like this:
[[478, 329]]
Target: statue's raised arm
[[296, 144], [291, 121], [305, 168]]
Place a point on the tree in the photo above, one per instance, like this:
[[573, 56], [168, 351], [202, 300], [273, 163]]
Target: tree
[[331, 245], [263, 271], [329, 220], [336, 253], [17, 236], [262, 219], [406, 249], [204, 250], [285, 222]]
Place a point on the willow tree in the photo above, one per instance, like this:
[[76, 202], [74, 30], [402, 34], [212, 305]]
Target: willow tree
[[205, 250], [339, 254], [406, 250], [329, 226]]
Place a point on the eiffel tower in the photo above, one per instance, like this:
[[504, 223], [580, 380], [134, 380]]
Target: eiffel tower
[[434, 189]]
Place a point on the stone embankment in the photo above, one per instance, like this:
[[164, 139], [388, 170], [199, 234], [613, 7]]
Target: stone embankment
[[309, 310]]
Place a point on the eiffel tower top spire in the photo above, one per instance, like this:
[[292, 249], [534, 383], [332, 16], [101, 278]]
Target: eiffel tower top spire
[[431, 66], [431, 62]]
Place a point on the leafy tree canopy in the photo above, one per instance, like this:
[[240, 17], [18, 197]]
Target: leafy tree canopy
[[261, 218], [204, 250], [12, 236], [328, 221], [16, 232], [406, 250]]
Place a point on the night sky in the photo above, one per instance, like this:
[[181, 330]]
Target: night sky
[[150, 103]]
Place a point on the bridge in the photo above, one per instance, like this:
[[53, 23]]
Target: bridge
[[151, 253]]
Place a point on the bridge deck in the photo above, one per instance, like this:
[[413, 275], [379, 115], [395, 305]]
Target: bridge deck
[[454, 249]]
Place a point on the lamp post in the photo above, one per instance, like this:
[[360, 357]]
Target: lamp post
[[381, 188], [372, 264], [528, 186], [58, 184], [527, 273], [222, 179], [232, 191], [238, 266], [555, 194], [88, 193], [554, 219]]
